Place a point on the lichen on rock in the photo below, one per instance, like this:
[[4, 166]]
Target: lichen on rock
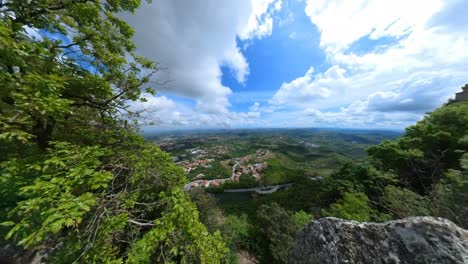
[[409, 240]]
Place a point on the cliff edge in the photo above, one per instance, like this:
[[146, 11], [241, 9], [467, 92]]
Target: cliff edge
[[409, 240]]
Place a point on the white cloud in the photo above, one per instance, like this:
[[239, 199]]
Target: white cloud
[[419, 96], [423, 62], [308, 88], [388, 86], [260, 23], [237, 61], [159, 110], [342, 22], [167, 113], [33, 33], [191, 41], [255, 107]]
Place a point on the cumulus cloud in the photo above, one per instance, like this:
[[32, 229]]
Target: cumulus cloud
[[191, 41], [423, 61], [260, 23], [423, 65], [419, 97], [164, 112], [159, 110], [342, 22], [235, 60], [308, 88]]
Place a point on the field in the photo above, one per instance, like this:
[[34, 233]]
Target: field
[[292, 153], [291, 156]]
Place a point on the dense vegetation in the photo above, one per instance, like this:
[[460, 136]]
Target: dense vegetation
[[77, 182], [423, 172], [214, 171], [79, 185]]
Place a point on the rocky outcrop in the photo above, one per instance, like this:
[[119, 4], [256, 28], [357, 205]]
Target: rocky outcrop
[[11, 254], [409, 240]]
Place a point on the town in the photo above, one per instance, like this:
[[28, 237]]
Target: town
[[252, 164]]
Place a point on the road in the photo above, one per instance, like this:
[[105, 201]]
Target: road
[[190, 184], [259, 190]]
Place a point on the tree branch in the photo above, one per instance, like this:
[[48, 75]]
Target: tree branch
[[139, 223]]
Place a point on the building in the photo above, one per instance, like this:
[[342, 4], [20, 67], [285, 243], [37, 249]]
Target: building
[[462, 96]]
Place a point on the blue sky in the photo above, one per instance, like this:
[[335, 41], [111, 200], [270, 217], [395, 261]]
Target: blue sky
[[309, 63]]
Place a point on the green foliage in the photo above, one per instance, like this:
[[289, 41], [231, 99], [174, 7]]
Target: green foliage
[[210, 214], [245, 181], [46, 83], [306, 194], [192, 242], [66, 187], [353, 206], [216, 171], [236, 230], [359, 177], [275, 233], [280, 170], [77, 198], [427, 150], [450, 196], [301, 218], [77, 181], [403, 202]]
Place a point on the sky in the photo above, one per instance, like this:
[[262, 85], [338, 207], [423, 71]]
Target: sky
[[300, 63]]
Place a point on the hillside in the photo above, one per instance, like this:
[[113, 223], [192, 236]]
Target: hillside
[[80, 182]]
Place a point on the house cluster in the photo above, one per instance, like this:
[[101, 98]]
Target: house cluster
[[205, 183], [253, 169], [197, 151], [251, 164], [192, 165], [220, 150], [260, 155]]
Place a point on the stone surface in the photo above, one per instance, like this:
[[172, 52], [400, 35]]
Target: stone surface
[[11, 254], [463, 95], [409, 240]]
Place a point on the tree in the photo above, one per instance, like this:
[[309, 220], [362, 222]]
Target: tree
[[77, 181], [450, 196], [301, 218], [353, 206], [427, 150], [79, 77], [276, 232], [210, 214], [359, 177], [237, 231], [403, 203]]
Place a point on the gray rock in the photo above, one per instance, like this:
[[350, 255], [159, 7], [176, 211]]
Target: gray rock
[[409, 240], [11, 254]]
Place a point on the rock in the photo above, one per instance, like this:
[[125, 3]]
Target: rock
[[12, 254], [409, 240]]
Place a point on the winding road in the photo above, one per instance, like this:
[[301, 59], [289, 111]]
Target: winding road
[[259, 190]]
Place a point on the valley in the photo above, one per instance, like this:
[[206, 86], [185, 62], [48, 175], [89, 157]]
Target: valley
[[263, 160]]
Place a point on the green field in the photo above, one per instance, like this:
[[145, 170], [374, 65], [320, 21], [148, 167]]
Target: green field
[[295, 153]]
